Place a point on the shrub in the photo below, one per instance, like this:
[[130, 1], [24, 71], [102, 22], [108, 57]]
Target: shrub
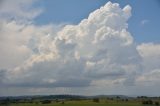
[[46, 101], [62, 102], [150, 102]]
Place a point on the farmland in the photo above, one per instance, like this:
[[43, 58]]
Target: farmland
[[68, 100]]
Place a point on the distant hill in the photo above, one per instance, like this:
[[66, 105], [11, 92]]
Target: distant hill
[[65, 97], [113, 96]]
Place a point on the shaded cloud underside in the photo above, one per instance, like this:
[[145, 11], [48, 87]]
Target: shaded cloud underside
[[99, 51]]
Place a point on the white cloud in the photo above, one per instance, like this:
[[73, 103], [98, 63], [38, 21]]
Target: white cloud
[[102, 40], [19, 9], [150, 53], [18, 42], [150, 79]]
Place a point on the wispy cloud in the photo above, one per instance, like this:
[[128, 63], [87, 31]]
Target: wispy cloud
[[144, 22], [19, 9]]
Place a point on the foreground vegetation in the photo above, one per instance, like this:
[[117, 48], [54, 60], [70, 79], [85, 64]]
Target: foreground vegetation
[[81, 101]]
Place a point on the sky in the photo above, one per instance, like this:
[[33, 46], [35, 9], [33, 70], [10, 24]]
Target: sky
[[79, 47]]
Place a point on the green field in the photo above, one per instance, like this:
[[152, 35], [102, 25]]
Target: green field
[[117, 104], [79, 104], [103, 101]]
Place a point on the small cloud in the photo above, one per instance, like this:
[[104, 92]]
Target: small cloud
[[144, 22]]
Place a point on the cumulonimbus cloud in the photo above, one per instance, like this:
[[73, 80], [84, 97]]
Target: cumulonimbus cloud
[[99, 47]]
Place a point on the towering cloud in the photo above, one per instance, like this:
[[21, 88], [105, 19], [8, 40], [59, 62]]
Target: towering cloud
[[99, 47]]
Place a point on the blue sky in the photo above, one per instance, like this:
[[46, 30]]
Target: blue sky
[[144, 24]]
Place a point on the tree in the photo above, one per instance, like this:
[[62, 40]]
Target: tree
[[5, 102], [96, 100], [150, 102], [157, 103], [126, 100]]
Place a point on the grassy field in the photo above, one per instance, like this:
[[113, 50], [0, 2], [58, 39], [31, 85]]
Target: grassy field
[[103, 101], [118, 104], [93, 104]]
